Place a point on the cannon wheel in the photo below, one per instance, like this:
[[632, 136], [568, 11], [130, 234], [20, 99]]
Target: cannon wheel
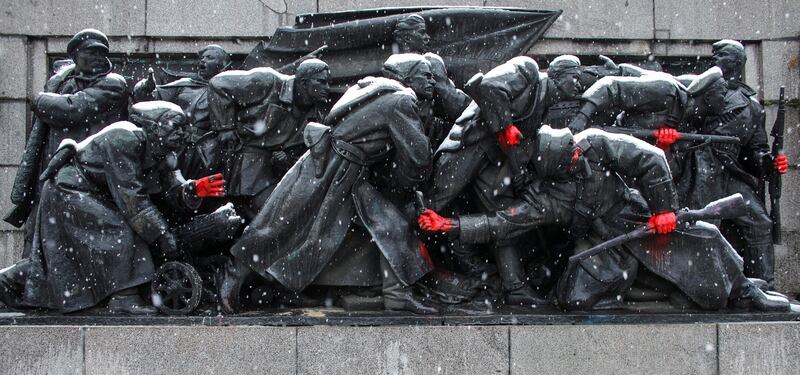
[[177, 288]]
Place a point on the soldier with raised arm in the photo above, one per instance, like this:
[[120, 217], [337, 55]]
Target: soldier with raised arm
[[191, 94]]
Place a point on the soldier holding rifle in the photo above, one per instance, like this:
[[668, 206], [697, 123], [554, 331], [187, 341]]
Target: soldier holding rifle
[[745, 167], [581, 183]]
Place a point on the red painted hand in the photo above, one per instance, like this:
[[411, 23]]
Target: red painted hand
[[509, 137], [210, 186], [430, 221], [663, 223], [665, 137], [781, 163]]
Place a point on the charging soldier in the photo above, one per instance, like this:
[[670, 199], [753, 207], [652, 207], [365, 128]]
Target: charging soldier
[[582, 184], [259, 115]]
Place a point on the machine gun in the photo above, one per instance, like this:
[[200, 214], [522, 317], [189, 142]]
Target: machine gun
[[725, 208], [177, 287]]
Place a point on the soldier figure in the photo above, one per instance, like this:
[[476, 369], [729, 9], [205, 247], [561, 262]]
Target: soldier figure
[[259, 115], [740, 169], [97, 223], [563, 91], [582, 183], [512, 102], [438, 114], [655, 101], [78, 101], [306, 219], [411, 35], [191, 94]]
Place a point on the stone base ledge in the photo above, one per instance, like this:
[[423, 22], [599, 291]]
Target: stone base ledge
[[504, 315], [699, 348]]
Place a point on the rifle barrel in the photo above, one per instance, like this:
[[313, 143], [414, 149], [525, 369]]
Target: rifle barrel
[[686, 137]]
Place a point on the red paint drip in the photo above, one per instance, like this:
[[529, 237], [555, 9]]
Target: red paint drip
[[423, 250]]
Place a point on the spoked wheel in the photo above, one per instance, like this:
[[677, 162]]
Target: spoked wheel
[[177, 288]]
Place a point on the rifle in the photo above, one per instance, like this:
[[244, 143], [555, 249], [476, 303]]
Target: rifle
[[776, 182], [687, 137], [725, 208], [26, 182]]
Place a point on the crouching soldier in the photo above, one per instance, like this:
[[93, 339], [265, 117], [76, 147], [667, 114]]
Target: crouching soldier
[[96, 224], [581, 183]]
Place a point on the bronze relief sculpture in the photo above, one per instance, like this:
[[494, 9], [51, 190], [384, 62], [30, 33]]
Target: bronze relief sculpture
[[392, 155]]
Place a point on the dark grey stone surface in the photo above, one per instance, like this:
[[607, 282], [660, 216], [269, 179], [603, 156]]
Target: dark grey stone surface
[[190, 350], [617, 349], [6, 182], [732, 19], [342, 5], [402, 350], [759, 348], [235, 18], [12, 128], [613, 19], [782, 67], [113, 17], [40, 350], [11, 245], [14, 69], [725, 348], [787, 264]]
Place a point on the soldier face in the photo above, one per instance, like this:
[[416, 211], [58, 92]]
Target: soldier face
[[317, 86], [421, 81], [168, 136], [728, 58], [568, 85], [416, 40], [212, 62], [91, 60]]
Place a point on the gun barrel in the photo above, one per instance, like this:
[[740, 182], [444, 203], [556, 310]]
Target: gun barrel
[[686, 137], [725, 208]]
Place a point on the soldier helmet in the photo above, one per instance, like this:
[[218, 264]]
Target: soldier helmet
[[402, 65], [151, 115], [554, 151], [704, 81], [563, 64], [311, 66], [727, 42], [408, 22], [525, 65], [87, 38]]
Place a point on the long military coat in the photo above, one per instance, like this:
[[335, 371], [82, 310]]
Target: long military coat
[[311, 210], [76, 107], [96, 220], [598, 205]]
